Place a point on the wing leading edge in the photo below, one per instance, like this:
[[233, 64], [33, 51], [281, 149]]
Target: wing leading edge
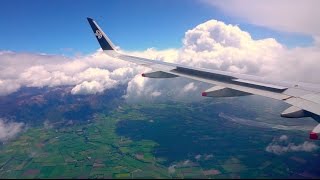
[[304, 98]]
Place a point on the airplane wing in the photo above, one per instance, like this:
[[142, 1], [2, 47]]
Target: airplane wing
[[304, 98]]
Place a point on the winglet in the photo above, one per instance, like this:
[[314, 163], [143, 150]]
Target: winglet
[[102, 38]]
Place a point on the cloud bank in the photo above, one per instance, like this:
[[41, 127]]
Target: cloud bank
[[212, 44], [88, 75], [9, 129], [282, 145], [285, 15]]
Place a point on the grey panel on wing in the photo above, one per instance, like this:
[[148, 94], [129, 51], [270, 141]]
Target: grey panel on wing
[[159, 74], [218, 91]]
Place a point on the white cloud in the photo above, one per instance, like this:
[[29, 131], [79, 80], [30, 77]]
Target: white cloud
[[290, 16], [212, 44], [204, 157], [282, 145], [95, 81], [172, 169], [283, 138], [156, 93], [230, 49], [189, 87], [185, 163], [207, 157], [197, 157], [123, 74], [168, 55], [86, 87], [9, 129], [89, 74], [8, 86]]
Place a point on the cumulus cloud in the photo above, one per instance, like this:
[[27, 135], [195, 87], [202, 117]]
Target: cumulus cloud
[[217, 45], [212, 44], [207, 157], [90, 74], [197, 157], [285, 15], [172, 169], [283, 138], [203, 157], [189, 87], [9, 129], [87, 88], [282, 145], [7, 87]]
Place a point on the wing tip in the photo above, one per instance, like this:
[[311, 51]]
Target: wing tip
[[90, 19], [104, 41]]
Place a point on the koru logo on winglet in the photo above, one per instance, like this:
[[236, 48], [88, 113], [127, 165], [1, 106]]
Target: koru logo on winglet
[[98, 34]]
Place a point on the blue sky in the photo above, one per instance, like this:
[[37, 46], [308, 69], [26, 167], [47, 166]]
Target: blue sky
[[60, 26]]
